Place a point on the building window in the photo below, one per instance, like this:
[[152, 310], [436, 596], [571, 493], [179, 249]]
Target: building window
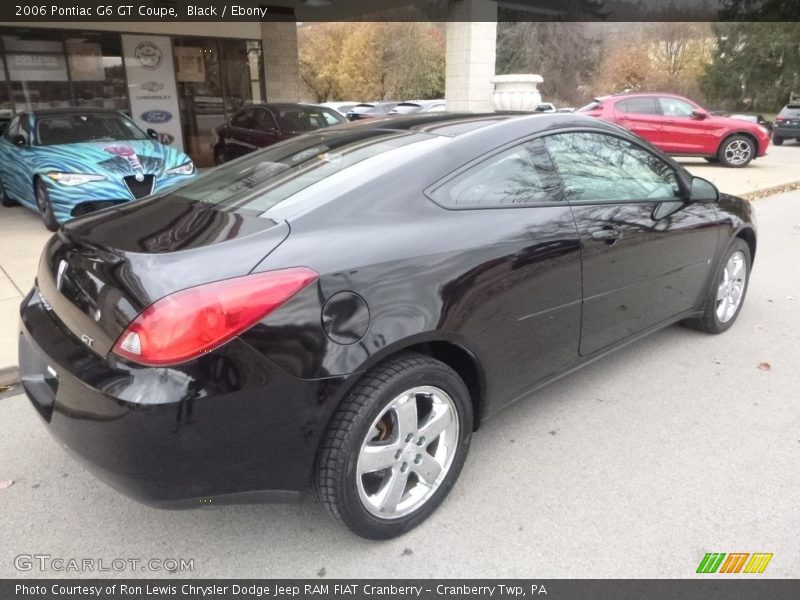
[[216, 78], [48, 68]]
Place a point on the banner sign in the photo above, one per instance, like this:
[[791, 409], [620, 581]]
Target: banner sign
[[152, 88]]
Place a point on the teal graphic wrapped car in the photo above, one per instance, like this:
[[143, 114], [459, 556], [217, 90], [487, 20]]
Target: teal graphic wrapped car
[[64, 163]]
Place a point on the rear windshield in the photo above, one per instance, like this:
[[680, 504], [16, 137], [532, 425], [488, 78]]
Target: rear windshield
[[259, 181], [74, 129], [792, 110]]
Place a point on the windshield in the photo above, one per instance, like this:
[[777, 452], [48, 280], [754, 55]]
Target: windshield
[[594, 104], [259, 181], [74, 129], [301, 118]]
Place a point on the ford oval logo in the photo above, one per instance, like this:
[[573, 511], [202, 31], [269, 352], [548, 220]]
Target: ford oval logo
[[156, 116]]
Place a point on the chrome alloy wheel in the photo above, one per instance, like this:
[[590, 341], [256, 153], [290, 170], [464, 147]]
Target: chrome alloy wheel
[[407, 452], [731, 287], [738, 152]]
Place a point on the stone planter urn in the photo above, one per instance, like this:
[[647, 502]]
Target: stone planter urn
[[516, 93]]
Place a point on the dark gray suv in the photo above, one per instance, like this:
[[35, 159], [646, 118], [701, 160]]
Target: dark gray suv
[[787, 124]]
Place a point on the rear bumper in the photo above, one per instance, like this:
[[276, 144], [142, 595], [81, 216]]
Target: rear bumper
[[229, 425], [785, 132]]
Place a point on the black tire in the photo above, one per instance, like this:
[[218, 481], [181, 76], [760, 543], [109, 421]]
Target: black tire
[[709, 321], [337, 485], [5, 200], [732, 151], [778, 141], [220, 156], [45, 206], [712, 159]]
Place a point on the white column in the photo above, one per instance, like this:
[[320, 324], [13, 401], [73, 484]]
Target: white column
[[470, 55], [281, 64]]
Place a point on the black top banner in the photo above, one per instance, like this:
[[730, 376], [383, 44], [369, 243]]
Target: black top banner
[[18, 11]]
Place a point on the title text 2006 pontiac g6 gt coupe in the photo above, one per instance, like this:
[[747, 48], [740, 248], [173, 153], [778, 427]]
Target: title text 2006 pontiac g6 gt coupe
[[340, 311]]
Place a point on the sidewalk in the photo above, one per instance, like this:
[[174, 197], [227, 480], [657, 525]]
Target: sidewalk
[[22, 234]]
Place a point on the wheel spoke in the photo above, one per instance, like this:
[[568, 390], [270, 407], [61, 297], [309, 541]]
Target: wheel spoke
[[406, 411], [437, 423], [722, 291], [428, 469], [393, 491], [376, 458], [736, 271]]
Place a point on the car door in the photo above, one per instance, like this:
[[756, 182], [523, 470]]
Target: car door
[[641, 116], [265, 131], [238, 134], [518, 305], [683, 133], [646, 250]]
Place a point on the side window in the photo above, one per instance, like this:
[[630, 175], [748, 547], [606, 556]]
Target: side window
[[12, 129], [265, 121], [597, 167], [637, 106], [673, 107], [523, 175], [243, 118]]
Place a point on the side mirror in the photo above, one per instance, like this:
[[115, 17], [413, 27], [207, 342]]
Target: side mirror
[[19, 140], [152, 133], [699, 113], [703, 191]]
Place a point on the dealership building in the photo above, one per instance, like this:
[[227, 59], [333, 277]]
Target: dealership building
[[184, 79]]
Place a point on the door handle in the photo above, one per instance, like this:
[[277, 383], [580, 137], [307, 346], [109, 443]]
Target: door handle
[[609, 235]]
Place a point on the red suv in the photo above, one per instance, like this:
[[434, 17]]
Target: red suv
[[680, 127]]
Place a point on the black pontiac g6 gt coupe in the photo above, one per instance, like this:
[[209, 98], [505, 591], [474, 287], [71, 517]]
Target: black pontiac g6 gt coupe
[[339, 313]]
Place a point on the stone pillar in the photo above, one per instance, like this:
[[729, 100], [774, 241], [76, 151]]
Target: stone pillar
[[470, 55], [281, 64]]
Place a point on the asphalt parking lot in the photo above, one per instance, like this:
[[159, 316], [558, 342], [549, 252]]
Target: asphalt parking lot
[[677, 445]]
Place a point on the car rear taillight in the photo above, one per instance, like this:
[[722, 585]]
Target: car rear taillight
[[186, 324]]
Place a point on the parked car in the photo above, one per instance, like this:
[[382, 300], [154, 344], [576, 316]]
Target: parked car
[[754, 119], [566, 109], [545, 107], [415, 106], [262, 125], [301, 320], [787, 124], [341, 107], [370, 110], [681, 127], [68, 162]]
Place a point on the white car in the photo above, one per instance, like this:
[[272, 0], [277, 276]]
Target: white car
[[545, 107], [340, 107]]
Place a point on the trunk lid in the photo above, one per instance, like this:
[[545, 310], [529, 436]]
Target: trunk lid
[[101, 271]]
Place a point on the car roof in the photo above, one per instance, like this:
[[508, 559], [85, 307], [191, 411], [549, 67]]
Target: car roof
[[458, 124], [283, 105], [58, 112], [623, 95]]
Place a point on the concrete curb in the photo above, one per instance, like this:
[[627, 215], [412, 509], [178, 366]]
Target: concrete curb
[[10, 375], [771, 191]]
